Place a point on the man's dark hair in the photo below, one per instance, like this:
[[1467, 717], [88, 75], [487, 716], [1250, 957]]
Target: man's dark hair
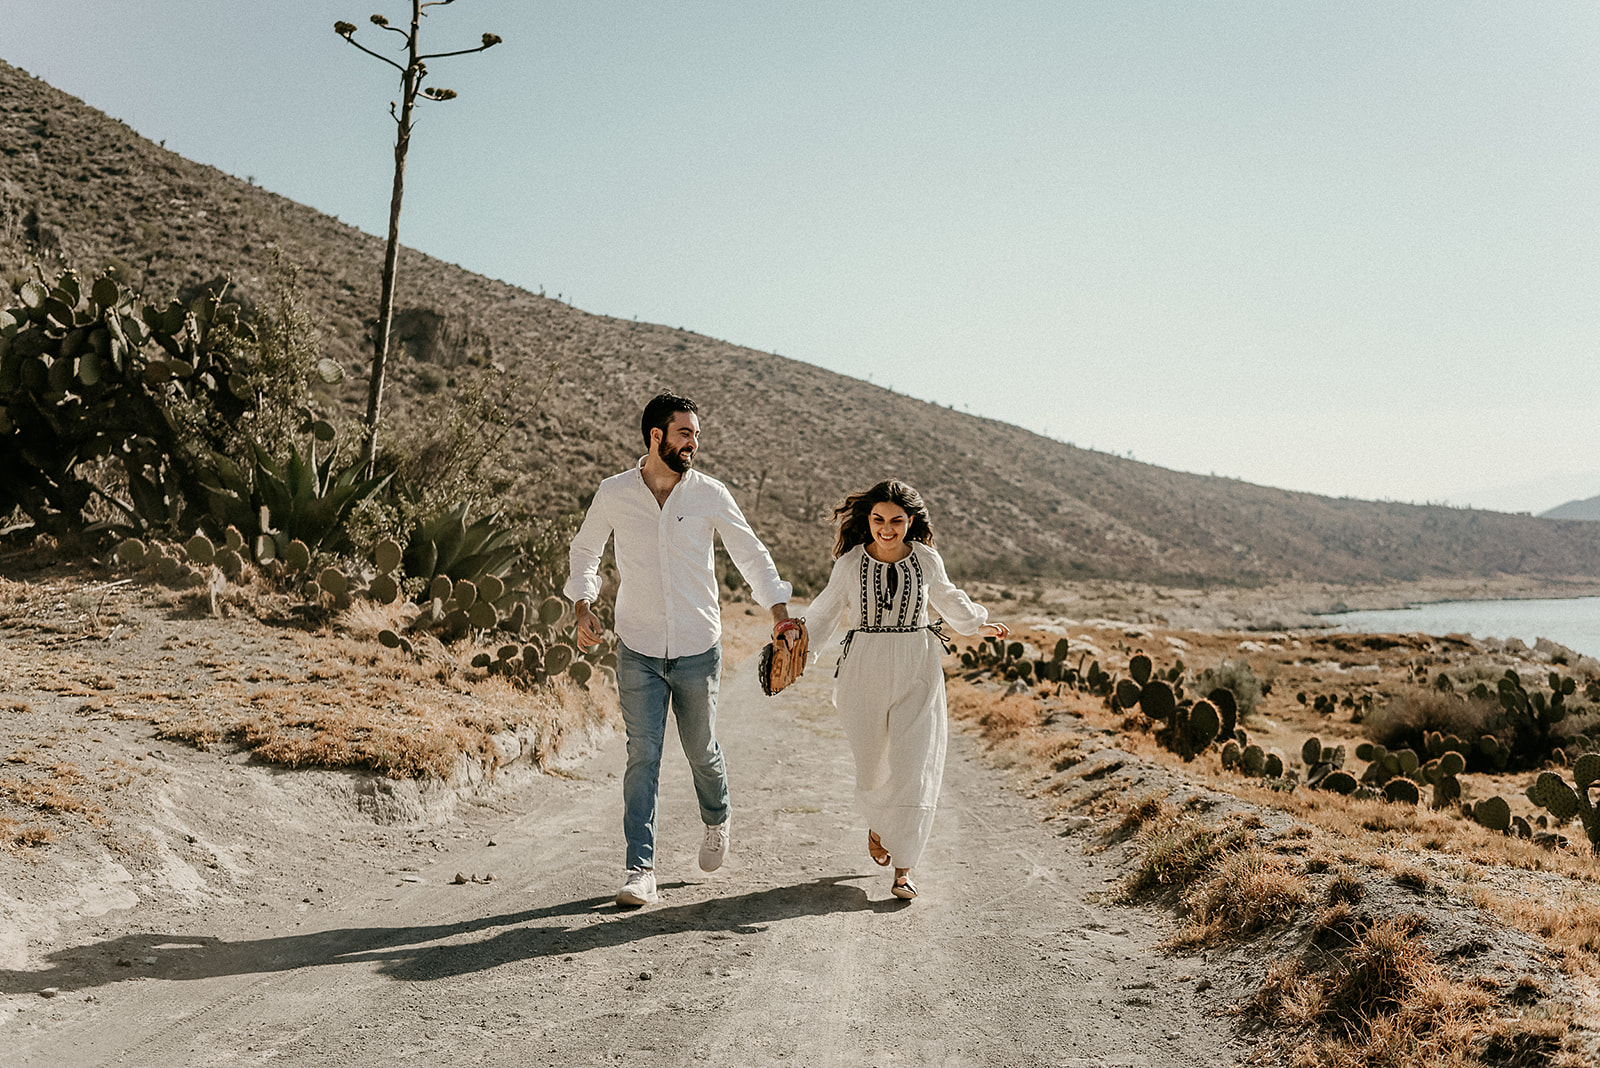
[[659, 412]]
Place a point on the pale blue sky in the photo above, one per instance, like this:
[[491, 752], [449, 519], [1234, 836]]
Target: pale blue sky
[[1347, 248]]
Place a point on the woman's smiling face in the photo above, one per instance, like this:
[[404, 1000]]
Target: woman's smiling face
[[888, 523]]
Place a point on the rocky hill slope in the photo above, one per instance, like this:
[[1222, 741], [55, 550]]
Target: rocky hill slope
[[789, 438]]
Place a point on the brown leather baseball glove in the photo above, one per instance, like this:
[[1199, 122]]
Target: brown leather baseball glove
[[783, 659]]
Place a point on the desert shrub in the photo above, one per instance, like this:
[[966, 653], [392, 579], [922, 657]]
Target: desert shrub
[[1249, 892], [1179, 852], [1401, 721], [431, 379], [1236, 675], [288, 377]]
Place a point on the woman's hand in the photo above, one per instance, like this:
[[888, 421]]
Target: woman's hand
[[994, 630]]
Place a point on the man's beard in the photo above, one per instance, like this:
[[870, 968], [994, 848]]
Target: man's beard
[[678, 460]]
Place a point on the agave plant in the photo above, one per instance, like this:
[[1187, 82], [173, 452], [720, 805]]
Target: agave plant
[[449, 545], [305, 499]]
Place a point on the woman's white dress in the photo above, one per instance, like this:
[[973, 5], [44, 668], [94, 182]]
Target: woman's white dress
[[890, 684]]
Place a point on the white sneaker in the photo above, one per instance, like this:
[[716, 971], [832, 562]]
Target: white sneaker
[[714, 849], [639, 888]]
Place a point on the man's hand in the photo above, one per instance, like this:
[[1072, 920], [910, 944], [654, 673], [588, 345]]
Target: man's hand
[[780, 612], [588, 631]]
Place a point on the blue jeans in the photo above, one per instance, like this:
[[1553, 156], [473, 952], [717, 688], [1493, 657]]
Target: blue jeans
[[647, 685]]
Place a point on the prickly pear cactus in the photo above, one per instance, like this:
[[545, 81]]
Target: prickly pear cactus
[[1227, 706], [200, 550], [1340, 782], [1553, 794], [1493, 813], [1253, 761], [1190, 729], [1402, 791]]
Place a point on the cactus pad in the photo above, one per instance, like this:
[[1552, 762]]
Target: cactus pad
[[1253, 761], [384, 589], [386, 555], [558, 659], [1158, 701], [1493, 813], [1401, 791], [131, 553], [1551, 793], [333, 580], [550, 610], [1140, 667], [231, 563], [1587, 770], [296, 557], [1340, 782], [200, 550]]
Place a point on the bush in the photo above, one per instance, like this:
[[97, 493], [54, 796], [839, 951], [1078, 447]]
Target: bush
[[1401, 720], [1236, 675]]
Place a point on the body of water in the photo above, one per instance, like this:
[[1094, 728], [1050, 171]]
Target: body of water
[[1574, 621]]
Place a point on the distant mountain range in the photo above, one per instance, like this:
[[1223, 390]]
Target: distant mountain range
[[1588, 509], [789, 438]]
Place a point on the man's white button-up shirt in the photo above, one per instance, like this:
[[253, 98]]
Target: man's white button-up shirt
[[667, 599]]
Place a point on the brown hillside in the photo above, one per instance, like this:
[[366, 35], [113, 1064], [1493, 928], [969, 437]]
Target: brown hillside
[[789, 438]]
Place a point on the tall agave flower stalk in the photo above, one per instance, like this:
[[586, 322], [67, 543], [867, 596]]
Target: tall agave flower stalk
[[412, 74]]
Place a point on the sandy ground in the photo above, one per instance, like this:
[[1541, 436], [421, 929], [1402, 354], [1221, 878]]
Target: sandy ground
[[288, 927]]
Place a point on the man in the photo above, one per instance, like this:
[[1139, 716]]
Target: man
[[663, 514]]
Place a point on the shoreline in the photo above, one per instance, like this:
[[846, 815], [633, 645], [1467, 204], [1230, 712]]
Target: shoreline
[[1276, 607]]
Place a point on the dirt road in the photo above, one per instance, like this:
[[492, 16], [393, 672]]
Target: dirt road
[[357, 949]]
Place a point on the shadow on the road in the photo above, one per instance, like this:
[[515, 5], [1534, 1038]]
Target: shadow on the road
[[413, 953]]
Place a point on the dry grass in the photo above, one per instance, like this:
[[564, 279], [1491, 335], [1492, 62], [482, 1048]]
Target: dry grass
[[1570, 926], [50, 795], [408, 719], [1250, 892], [1179, 851], [15, 836], [1369, 992], [1384, 1001]]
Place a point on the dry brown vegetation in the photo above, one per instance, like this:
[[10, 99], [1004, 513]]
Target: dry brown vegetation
[[292, 689], [1375, 894]]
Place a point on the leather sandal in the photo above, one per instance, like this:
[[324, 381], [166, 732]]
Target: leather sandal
[[903, 888], [875, 850]]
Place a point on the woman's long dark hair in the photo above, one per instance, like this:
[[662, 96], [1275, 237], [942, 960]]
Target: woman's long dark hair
[[852, 515]]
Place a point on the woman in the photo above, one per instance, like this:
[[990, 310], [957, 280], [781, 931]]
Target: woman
[[890, 688]]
